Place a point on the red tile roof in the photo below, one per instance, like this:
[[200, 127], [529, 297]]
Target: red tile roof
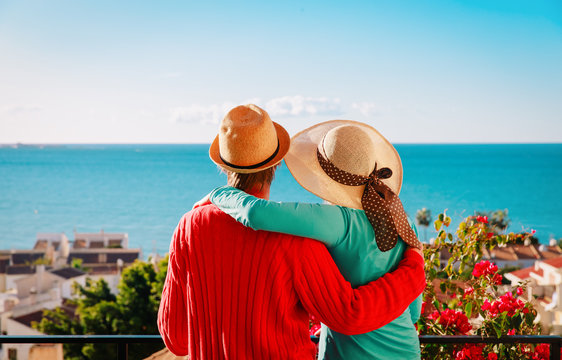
[[523, 273], [554, 262]]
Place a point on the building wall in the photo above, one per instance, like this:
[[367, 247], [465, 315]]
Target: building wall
[[112, 281], [3, 283], [66, 286], [46, 352], [12, 279], [41, 281], [15, 328]]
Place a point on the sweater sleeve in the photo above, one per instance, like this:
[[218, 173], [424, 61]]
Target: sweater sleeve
[[172, 314], [300, 219], [327, 295]]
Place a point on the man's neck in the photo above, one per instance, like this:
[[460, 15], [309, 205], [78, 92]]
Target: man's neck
[[260, 191]]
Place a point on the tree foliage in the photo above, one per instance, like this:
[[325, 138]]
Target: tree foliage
[[133, 310], [423, 218], [465, 295], [498, 220]]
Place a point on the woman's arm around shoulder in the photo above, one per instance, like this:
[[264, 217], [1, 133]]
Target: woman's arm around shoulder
[[322, 222]]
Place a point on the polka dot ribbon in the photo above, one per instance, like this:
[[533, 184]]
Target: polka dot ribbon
[[382, 206]]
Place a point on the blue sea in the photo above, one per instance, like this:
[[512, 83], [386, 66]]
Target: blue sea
[[145, 189]]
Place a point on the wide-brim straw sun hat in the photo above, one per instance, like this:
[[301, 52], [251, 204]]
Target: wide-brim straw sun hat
[[248, 141], [351, 146]]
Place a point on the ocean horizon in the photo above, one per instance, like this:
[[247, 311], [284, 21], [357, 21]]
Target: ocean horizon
[[144, 189]]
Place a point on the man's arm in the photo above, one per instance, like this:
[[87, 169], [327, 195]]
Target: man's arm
[[172, 315], [328, 296]]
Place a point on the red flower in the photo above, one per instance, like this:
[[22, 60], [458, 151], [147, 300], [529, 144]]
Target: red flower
[[511, 332], [497, 279], [471, 352], [314, 325], [484, 268], [490, 234], [506, 303], [492, 356], [482, 219], [434, 315], [519, 291], [456, 320], [542, 352], [314, 330], [468, 291]]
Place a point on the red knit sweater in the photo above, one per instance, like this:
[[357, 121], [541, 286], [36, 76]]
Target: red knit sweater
[[235, 293]]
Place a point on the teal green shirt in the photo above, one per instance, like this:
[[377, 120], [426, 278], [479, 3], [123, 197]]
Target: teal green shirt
[[351, 241]]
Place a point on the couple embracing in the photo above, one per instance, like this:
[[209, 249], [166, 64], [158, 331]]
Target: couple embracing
[[244, 272]]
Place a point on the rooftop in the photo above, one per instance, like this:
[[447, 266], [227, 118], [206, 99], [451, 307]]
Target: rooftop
[[68, 272], [27, 319], [20, 270]]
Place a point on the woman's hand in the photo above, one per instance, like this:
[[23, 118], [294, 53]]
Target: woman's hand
[[205, 201], [418, 250]]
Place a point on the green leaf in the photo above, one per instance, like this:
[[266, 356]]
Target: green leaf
[[441, 217], [468, 310], [447, 221], [438, 224], [436, 304], [497, 329]]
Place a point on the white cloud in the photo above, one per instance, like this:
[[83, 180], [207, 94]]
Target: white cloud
[[301, 106], [204, 114], [287, 106], [366, 108]]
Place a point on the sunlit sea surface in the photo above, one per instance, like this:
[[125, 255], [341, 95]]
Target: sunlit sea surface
[[145, 189]]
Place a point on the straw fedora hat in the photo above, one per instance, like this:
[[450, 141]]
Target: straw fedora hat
[[248, 141], [351, 146]]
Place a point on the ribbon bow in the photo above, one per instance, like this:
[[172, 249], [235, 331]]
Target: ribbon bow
[[382, 206]]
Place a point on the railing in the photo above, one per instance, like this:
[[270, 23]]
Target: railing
[[123, 341]]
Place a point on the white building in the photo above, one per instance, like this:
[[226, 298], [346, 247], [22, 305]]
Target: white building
[[544, 281], [32, 281], [101, 240]]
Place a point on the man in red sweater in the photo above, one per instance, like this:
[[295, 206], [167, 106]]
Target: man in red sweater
[[235, 293]]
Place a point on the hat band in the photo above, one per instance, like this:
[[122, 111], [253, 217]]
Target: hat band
[[382, 206], [255, 166]]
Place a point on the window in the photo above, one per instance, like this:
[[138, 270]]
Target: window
[[12, 354]]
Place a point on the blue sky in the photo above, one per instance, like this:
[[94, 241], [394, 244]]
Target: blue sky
[[167, 71]]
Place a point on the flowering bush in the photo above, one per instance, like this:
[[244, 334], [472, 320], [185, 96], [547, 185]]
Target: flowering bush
[[465, 296]]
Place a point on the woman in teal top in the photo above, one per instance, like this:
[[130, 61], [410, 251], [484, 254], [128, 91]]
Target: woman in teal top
[[349, 237], [346, 230]]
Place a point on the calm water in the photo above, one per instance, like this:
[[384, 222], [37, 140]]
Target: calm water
[[144, 189]]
